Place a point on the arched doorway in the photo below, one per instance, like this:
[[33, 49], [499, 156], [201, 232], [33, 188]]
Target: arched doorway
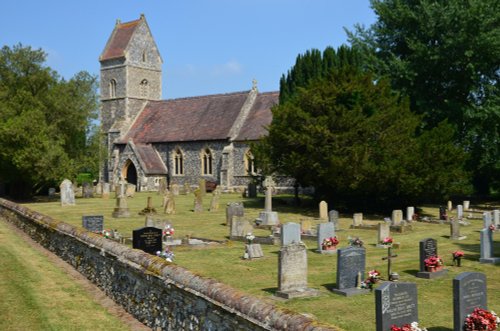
[[129, 172]]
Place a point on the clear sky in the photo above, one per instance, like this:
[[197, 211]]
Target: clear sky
[[208, 46]]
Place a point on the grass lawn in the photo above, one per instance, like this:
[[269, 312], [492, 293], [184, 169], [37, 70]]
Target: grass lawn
[[37, 295], [259, 277]]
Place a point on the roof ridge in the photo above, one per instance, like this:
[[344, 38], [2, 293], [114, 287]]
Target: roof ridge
[[207, 96]]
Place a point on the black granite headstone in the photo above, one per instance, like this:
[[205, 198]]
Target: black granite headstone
[[442, 213], [428, 248], [252, 190], [395, 304], [94, 223], [350, 270], [469, 292], [147, 239]]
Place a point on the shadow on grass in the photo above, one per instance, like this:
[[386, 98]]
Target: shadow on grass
[[270, 290], [439, 328], [330, 286], [412, 272]]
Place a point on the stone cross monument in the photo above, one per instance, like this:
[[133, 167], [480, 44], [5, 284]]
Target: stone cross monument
[[268, 216]]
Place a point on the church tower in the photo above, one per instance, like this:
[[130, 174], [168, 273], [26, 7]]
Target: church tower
[[130, 77]]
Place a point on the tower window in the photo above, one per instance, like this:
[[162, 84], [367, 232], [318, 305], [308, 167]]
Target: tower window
[[144, 88], [178, 162], [112, 88], [144, 56], [206, 162]]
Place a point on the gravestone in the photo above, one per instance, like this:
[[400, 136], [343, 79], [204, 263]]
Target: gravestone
[[253, 251], [52, 192], [252, 190], [292, 272], [325, 230], [93, 223], [240, 228], [202, 185], [496, 218], [147, 239], [198, 201], [268, 216], [67, 193], [395, 304], [149, 209], [105, 190], [234, 209], [397, 217], [168, 203], [187, 188], [87, 190], [162, 186], [469, 292], [323, 210], [460, 212], [428, 248], [455, 230], [121, 208], [214, 202], [487, 219], [175, 189], [357, 219], [130, 191], [450, 205], [384, 231], [290, 233], [306, 227], [350, 271], [410, 211], [333, 216], [443, 216], [486, 236], [466, 205]]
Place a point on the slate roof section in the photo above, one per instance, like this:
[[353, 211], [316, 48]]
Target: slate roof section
[[259, 118], [149, 159], [119, 40]]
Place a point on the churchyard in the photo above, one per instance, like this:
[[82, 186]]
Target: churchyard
[[223, 259]]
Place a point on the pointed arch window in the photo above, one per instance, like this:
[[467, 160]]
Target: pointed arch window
[[249, 163], [206, 162], [144, 88], [178, 162], [112, 88]]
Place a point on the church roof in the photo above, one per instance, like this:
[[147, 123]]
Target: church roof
[[119, 40], [149, 159], [201, 118]]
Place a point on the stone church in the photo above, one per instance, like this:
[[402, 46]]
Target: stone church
[[182, 140]]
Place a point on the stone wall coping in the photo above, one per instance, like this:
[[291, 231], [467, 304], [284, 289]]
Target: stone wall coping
[[257, 310]]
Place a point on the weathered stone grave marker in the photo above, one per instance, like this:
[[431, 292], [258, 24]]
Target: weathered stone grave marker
[[333, 216], [214, 202], [105, 190], [351, 263], [239, 228], [290, 233], [121, 209], [148, 239], [198, 201], [234, 209], [323, 210], [469, 292], [93, 223], [397, 217], [67, 193], [175, 189], [496, 218], [395, 304], [384, 231], [460, 212], [268, 216], [357, 219], [410, 211], [306, 227], [466, 205], [455, 230], [325, 230], [487, 219], [87, 190]]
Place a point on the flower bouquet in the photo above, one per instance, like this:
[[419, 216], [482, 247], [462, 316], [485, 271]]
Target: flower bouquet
[[433, 263], [457, 257], [167, 254], [482, 319], [356, 242], [387, 242], [330, 243], [407, 327], [106, 233], [249, 237], [373, 278], [168, 232]]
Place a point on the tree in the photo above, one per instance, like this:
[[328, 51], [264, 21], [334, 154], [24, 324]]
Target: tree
[[355, 140], [445, 56], [43, 121]]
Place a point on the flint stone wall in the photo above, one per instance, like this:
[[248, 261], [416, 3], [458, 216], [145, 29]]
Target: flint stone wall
[[159, 294]]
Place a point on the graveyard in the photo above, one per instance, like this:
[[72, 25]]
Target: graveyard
[[222, 259]]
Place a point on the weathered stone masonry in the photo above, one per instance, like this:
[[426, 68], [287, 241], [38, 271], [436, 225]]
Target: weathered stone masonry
[[159, 294]]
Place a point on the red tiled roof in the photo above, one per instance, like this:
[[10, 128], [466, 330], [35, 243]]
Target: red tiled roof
[[119, 40], [188, 119], [259, 118], [150, 160]]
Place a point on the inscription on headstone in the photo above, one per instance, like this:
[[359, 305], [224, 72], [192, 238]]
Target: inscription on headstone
[[93, 223], [469, 292], [147, 239], [428, 248], [395, 304]]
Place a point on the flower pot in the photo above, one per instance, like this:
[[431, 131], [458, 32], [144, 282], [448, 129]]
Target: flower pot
[[434, 269], [329, 248]]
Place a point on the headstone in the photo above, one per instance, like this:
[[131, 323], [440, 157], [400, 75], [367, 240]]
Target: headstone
[[198, 201], [67, 193], [395, 304], [147, 239], [252, 190], [428, 248], [350, 270], [121, 208], [333, 216], [325, 230], [469, 292], [149, 207], [187, 188], [253, 251], [169, 203], [98, 188], [93, 223], [487, 221], [202, 185], [384, 231], [397, 217], [105, 190], [234, 209], [268, 216], [496, 218], [240, 227], [52, 192], [306, 227], [455, 230], [175, 189], [357, 219], [290, 233], [130, 192], [410, 211], [466, 205], [292, 272], [443, 215], [450, 205], [323, 210], [460, 212], [486, 237], [162, 186], [214, 202]]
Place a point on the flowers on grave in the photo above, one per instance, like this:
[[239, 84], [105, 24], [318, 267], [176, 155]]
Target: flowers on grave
[[249, 237], [492, 227], [408, 327], [167, 254], [433, 262], [168, 231], [482, 319], [387, 242], [457, 257], [356, 242], [373, 278], [106, 233], [329, 243]]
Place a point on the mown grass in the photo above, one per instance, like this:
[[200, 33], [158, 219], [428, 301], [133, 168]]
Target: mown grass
[[36, 295], [259, 277]]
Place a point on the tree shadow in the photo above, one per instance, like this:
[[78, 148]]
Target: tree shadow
[[439, 328], [270, 290], [330, 286], [412, 272]]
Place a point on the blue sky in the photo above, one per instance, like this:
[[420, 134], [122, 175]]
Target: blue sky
[[208, 46]]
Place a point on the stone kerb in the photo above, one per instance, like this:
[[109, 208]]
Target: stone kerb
[[252, 313]]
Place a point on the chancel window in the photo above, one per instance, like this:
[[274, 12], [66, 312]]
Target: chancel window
[[178, 162], [206, 162]]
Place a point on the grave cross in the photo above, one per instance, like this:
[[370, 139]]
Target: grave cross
[[269, 184], [389, 258]]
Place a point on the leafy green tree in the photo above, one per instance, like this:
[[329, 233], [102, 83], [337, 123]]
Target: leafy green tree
[[355, 140], [445, 56], [44, 121]]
